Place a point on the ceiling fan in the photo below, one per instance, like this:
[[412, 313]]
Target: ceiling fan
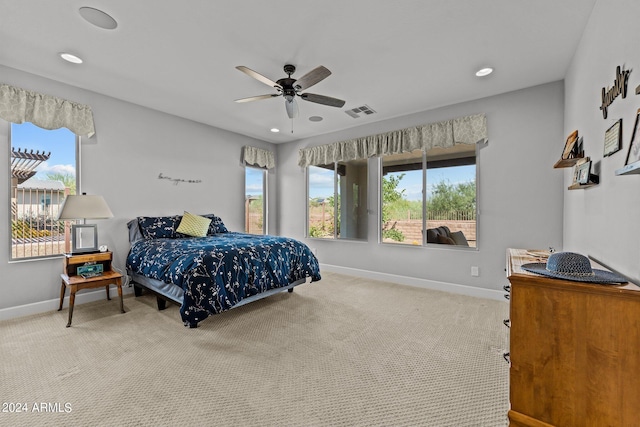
[[289, 88]]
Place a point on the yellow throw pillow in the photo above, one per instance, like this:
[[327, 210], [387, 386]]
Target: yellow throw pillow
[[194, 225]]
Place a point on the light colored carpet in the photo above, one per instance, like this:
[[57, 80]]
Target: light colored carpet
[[340, 352]]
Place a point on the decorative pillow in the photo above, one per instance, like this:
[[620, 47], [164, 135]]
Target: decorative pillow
[[445, 240], [158, 227], [194, 225], [459, 238], [216, 226]]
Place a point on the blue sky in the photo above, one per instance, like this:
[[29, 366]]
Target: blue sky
[[321, 180], [253, 181], [60, 142]]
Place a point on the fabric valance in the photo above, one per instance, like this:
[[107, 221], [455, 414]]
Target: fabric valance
[[461, 130], [259, 157], [48, 112]]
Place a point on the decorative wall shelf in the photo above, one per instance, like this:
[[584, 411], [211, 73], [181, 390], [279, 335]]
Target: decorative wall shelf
[[633, 168], [581, 186], [567, 163], [593, 180]]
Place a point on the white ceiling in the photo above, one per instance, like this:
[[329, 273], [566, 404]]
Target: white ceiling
[[397, 57]]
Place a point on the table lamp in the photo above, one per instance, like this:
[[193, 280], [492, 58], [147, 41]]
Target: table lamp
[[84, 237]]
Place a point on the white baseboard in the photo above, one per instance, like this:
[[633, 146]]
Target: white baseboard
[[417, 282], [53, 304], [98, 294]]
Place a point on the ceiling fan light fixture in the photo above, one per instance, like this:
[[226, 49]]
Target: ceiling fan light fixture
[[289, 88], [292, 108]]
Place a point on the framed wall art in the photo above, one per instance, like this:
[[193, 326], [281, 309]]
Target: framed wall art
[[576, 170], [583, 172], [613, 138], [568, 145], [634, 146]]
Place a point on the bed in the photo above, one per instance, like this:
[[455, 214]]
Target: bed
[[214, 273]]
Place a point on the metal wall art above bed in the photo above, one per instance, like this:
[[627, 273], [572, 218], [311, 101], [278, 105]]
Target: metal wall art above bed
[[212, 274]]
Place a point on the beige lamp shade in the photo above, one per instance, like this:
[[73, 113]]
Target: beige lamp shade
[[84, 207]]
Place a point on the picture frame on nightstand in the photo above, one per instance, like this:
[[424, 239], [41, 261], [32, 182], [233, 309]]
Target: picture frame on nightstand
[[84, 238]]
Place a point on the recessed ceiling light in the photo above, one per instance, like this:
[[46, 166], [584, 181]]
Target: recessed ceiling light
[[315, 119], [98, 18], [484, 72], [275, 130], [70, 58]]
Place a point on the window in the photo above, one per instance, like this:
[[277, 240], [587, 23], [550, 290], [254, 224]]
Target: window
[[337, 200], [430, 198], [255, 184], [43, 168]]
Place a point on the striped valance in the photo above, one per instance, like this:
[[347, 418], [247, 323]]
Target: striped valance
[[48, 112], [461, 130], [258, 157]]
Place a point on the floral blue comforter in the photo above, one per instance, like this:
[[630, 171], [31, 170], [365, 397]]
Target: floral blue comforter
[[217, 272]]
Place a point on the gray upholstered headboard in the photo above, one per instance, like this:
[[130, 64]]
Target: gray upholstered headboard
[[134, 231]]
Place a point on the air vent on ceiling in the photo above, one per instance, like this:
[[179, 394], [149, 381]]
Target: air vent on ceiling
[[357, 112]]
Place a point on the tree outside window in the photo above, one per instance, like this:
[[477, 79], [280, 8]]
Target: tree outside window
[[422, 192]]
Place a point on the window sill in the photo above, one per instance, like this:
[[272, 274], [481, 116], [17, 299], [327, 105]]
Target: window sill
[[432, 246], [327, 239], [32, 259]]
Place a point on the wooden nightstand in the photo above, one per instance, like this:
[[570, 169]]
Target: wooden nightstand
[[71, 280]]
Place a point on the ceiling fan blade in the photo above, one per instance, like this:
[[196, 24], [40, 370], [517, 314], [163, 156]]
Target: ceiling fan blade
[[256, 98], [292, 108], [258, 76], [324, 100], [312, 77]]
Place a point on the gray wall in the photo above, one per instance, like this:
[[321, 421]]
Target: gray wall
[[520, 195], [132, 146], [602, 221]]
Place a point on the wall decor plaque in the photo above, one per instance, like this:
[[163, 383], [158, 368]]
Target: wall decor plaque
[[619, 88], [613, 138]]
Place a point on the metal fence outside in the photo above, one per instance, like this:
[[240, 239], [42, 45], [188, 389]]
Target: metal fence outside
[[34, 229]]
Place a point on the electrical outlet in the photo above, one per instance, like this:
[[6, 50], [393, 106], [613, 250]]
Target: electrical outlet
[[475, 272]]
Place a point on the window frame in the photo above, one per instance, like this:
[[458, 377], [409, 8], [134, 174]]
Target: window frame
[[78, 181], [424, 243], [336, 205], [265, 210]]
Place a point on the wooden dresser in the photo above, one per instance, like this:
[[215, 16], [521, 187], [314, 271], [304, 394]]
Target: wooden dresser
[[574, 350]]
